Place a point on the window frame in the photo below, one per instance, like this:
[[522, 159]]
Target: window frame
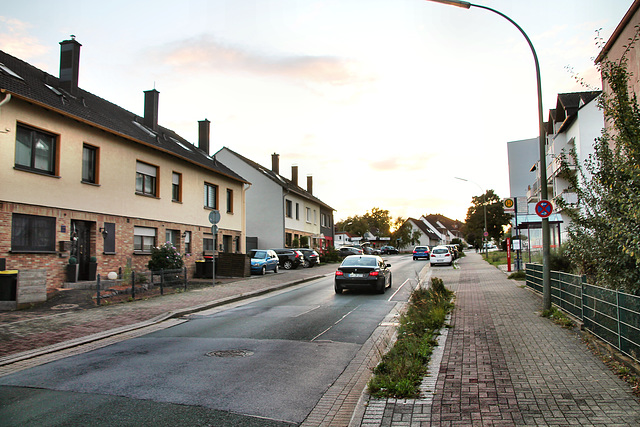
[[146, 177], [95, 169], [47, 232], [176, 188], [288, 208], [53, 157], [207, 197], [229, 200], [142, 238]]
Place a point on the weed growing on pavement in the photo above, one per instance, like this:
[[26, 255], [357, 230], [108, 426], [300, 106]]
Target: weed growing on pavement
[[400, 371], [558, 317], [518, 275]]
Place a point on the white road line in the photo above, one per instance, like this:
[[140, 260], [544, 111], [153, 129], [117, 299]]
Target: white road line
[[340, 320]]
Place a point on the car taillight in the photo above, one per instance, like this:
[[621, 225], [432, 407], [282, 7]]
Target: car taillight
[[446, 255], [433, 255], [414, 252], [339, 273], [374, 273]]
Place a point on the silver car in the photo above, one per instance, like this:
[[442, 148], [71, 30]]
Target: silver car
[[441, 255]]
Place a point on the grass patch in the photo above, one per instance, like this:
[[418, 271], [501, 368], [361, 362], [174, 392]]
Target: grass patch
[[518, 275], [400, 371], [558, 317]]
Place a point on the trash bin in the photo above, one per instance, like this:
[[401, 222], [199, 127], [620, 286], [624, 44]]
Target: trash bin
[[8, 285]]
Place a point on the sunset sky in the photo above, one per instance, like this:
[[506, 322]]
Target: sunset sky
[[382, 102]]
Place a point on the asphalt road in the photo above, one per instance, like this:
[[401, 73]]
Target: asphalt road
[[262, 363]]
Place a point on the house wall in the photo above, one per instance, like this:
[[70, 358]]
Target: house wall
[[264, 202]]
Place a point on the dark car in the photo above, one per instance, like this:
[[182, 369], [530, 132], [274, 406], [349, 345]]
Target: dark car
[[388, 250], [289, 258], [364, 272], [349, 250], [311, 257], [421, 252]]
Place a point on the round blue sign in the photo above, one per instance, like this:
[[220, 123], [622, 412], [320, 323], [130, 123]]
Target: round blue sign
[[544, 208]]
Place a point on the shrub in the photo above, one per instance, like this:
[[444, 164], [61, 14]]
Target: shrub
[[165, 257]]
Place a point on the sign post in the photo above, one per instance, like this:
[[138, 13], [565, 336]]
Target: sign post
[[214, 218], [508, 255]]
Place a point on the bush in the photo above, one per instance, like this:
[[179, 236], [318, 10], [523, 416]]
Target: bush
[[165, 257], [330, 255]]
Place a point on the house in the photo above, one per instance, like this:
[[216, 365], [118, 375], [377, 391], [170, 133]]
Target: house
[[574, 124], [428, 235], [343, 238], [279, 212], [83, 177]]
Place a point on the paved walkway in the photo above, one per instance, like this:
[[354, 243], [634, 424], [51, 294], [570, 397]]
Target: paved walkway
[[504, 365]]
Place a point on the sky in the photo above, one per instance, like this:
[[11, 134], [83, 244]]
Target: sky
[[384, 103]]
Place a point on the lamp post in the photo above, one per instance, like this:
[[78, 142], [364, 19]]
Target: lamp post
[[484, 205], [546, 237]]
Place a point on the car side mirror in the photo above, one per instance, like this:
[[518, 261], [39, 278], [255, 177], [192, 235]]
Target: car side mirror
[[388, 265]]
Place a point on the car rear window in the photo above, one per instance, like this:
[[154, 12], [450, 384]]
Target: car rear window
[[359, 262], [258, 254], [421, 248], [440, 251]]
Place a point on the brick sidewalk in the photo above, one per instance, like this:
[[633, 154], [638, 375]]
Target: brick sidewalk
[[504, 365]]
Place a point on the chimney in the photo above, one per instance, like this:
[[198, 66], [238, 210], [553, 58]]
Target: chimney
[[151, 98], [309, 184], [203, 135], [275, 163], [294, 174], [69, 65]]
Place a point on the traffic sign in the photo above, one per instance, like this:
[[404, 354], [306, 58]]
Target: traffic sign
[[214, 229], [508, 203], [544, 208], [486, 234], [214, 217]]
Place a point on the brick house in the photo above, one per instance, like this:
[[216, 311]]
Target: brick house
[[83, 177]]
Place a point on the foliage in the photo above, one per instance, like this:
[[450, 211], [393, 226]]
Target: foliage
[[496, 218], [377, 221], [605, 231], [304, 241], [330, 255], [558, 317], [402, 236], [73, 260], [165, 257], [400, 371]]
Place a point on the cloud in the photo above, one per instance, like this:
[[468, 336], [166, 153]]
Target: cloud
[[402, 163], [332, 77], [16, 40]]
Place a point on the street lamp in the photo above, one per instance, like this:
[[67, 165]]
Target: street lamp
[[484, 205], [546, 237]]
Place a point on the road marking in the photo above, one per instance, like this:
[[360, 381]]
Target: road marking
[[398, 290], [339, 320]]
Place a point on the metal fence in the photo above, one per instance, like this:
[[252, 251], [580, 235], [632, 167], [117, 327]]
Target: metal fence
[[611, 315]]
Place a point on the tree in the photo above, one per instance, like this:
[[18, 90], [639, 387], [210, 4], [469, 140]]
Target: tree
[[605, 223], [402, 236], [377, 221], [496, 218]]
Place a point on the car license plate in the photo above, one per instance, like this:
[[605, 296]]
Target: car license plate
[[356, 275]]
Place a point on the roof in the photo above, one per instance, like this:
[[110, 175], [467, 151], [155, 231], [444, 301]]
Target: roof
[[450, 224], [618, 31], [423, 227], [285, 183], [567, 107], [26, 82]]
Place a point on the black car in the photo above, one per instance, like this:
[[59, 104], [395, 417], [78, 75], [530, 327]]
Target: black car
[[363, 271], [349, 250], [311, 257], [388, 250], [289, 258]]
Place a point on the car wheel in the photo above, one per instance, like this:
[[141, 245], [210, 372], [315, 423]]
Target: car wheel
[[264, 270], [275, 270], [381, 287], [414, 258], [306, 264], [287, 265], [337, 288], [390, 280]]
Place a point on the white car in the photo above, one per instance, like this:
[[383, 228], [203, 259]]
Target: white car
[[441, 255]]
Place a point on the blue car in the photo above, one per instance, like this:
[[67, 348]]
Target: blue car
[[263, 260], [421, 252]]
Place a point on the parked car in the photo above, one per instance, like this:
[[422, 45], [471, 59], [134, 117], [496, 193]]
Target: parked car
[[421, 252], [454, 251], [388, 250], [364, 272], [311, 257], [368, 250], [289, 258], [441, 255], [263, 260], [349, 250]]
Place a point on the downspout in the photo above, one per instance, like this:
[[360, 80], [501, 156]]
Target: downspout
[[6, 99]]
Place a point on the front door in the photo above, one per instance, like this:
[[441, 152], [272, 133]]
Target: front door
[[81, 231]]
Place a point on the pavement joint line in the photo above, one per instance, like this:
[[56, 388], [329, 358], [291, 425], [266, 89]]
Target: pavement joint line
[[18, 357]]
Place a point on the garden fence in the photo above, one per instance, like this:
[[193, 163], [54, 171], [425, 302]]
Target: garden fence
[[611, 315]]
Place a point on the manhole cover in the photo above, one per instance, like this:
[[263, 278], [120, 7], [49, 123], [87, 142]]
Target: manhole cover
[[230, 353], [64, 306]]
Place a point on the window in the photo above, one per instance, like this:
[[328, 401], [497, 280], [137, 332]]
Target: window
[[110, 240], [315, 216], [210, 196], [32, 233], [89, 164], [288, 208], [187, 242], [308, 214], [176, 187], [324, 220], [144, 239], [172, 236], [288, 239], [298, 211], [146, 179], [209, 244], [35, 150], [229, 200]]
